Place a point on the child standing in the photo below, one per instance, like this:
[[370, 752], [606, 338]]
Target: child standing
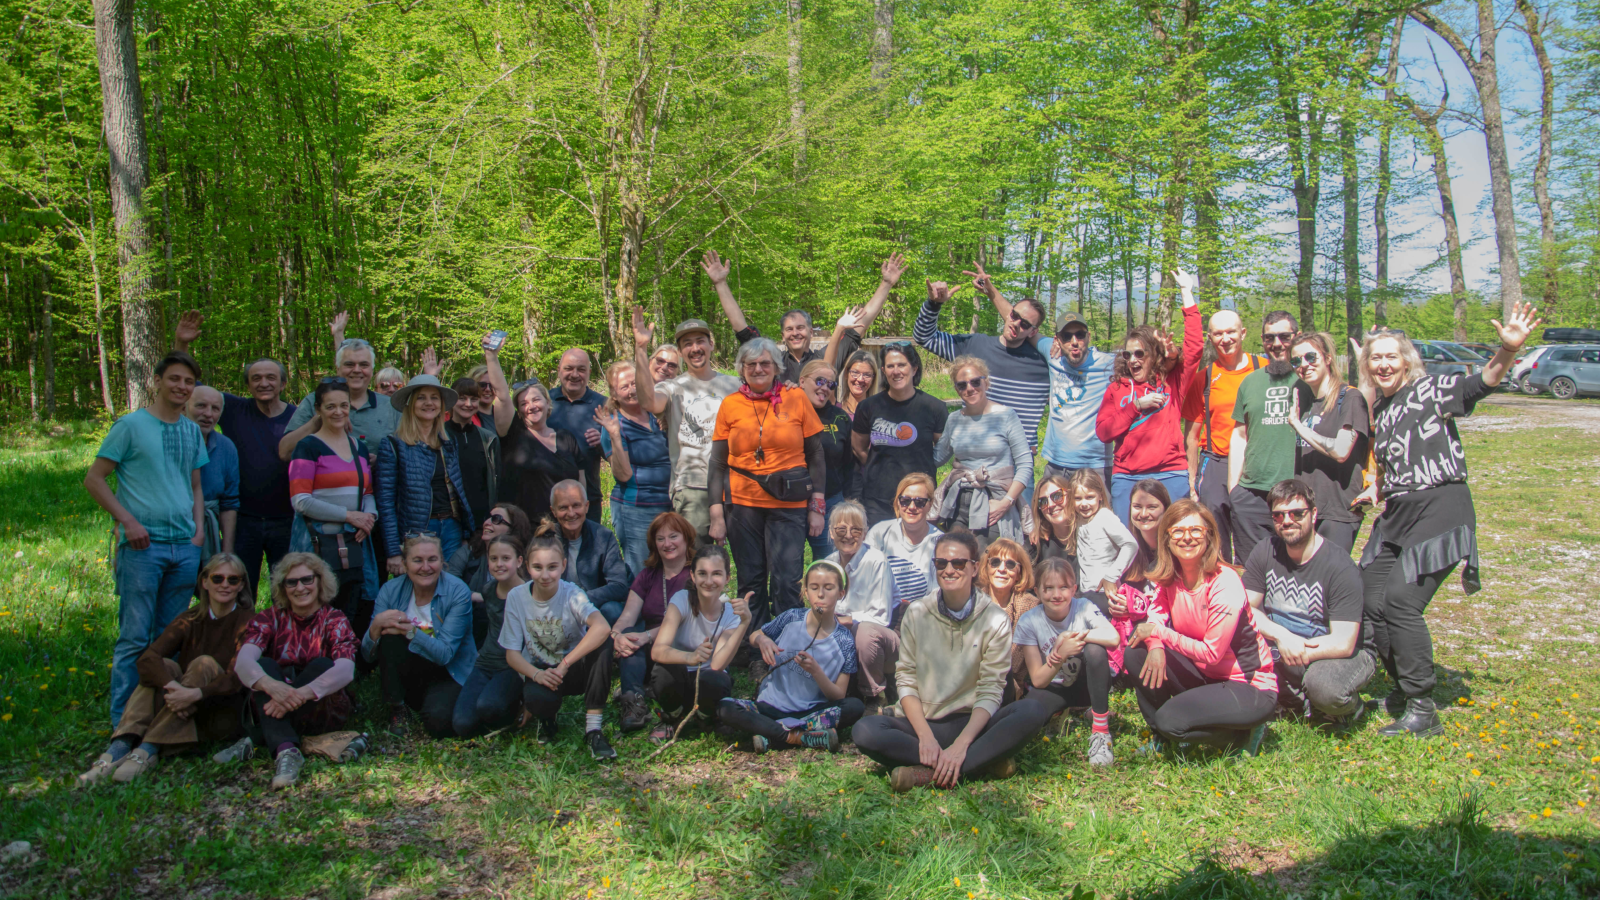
[[1102, 544], [1065, 641]]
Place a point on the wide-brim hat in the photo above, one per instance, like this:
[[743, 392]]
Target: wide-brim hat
[[400, 398]]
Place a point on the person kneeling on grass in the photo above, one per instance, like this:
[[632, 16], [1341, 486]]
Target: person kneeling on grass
[[812, 656], [491, 697], [421, 638], [699, 635], [558, 642], [1065, 642], [297, 659], [955, 651], [187, 691]]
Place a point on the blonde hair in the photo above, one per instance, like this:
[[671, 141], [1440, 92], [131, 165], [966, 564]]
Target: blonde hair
[[915, 479], [412, 431], [217, 561], [1012, 550], [968, 362], [816, 365], [848, 512], [326, 584], [612, 371], [389, 373], [1408, 355]]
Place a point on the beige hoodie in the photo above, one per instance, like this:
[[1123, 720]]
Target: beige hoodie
[[954, 667]]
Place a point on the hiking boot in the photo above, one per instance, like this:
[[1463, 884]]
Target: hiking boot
[[663, 732], [399, 721], [133, 765], [545, 731], [1420, 720], [758, 744], [1252, 746], [1000, 769], [824, 739], [1395, 703], [635, 711], [286, 770], [599, 747], [99, 770], [238, 751], [904, 778], [1100, 749]]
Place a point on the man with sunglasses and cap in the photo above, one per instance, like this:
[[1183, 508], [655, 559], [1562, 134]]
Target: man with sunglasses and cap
[[689, 402], [1208, 408], [1079, 376], [1261, 452]]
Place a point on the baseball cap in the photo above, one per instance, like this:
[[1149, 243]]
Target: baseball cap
[[1068, 317], [690, 326]]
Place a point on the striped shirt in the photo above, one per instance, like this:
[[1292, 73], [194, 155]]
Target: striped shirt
[[910, 565], [322, 486], [1019, 377]]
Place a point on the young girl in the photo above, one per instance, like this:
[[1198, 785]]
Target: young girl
[[558, 642], [812, 656], [1135, 600], [1065, 641], [699, 635], [1102, 545], [492, 693]]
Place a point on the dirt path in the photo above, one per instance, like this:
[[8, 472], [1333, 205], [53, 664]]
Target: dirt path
[[1514, 412]]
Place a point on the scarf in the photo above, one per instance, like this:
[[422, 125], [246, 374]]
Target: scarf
[[772, 395]]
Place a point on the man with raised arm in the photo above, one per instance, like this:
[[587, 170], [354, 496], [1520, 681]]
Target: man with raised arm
[[690, 403], [1208, 408], [1019, 375], [1079, 376]]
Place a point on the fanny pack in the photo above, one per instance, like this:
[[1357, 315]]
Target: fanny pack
[[791, 485]]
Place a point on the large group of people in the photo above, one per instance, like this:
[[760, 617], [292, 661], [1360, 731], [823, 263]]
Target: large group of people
[[1171, 518]]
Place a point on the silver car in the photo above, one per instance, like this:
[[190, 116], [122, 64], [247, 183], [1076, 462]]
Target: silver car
[[1567, 371], [1447, 358]]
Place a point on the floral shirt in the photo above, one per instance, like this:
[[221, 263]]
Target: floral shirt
[[293, 641]]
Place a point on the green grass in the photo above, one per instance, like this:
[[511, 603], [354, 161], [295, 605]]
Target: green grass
[[1503, 806]]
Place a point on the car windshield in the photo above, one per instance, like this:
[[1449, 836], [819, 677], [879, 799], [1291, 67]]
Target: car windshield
[[1458, 352]]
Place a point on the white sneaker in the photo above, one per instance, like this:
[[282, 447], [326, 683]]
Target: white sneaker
[[1100, 749]]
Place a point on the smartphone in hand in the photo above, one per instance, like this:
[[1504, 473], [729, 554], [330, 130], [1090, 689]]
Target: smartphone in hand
[[497, 339]]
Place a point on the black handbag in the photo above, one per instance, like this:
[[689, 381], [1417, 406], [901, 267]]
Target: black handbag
[[345, 557], [791, 485]]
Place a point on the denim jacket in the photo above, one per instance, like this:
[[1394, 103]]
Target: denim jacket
[[404, 479], [451, 643]]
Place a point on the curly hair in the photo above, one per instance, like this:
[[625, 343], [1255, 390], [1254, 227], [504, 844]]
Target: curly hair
[[327, 585]]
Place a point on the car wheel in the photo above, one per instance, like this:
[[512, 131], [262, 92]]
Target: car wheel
[[1563, 388], [1528, 387]]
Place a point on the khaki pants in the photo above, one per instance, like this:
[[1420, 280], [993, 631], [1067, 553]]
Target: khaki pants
[[877, 651], [213, 718], [694, 504]]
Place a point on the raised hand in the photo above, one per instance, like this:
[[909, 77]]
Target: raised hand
[[608, 420], [188, 328], [489, 349], [980, 279], [741, 605], [716, 269], [893, 268], [1518, 326], [1186, 281], [337, 324], [939, 293], [644, 333], [430, 363], [852, 318]]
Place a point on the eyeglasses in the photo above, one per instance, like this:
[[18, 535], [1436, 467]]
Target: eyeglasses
[[498, 519], [1277, 338], [826, 384], [961, 386], [914, 502], [230, 580], [854, 534], [335, 379], [304, 581], [1054, 498], [1285, 515], [1019, 317], [1310, 358], [1004, 563], [1193, 533], [1077, 334], [940, 563], [1133, 354]]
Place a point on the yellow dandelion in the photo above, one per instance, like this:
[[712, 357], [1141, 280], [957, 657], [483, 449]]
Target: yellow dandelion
[[1548, 812], [5, 718], [958, 881]]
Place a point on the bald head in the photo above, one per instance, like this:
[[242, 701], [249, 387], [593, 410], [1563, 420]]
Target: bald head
[[1226, 331], [573, 373], [205, 407]]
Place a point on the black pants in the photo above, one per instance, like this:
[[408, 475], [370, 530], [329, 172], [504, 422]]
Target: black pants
[[1212, 488], [672, 687], [1250, 518], [1394, 615], [878, 510], [1091, 689], [277, 732], [352, 600], [1189, 706], [423, 685], [591, 677], [1339, 534], [255, 537], [892, 741], [768, 548], [765, 721]]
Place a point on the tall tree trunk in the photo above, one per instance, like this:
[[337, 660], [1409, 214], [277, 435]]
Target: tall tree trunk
[[122, 121], [1447, 207], [1486, 76], [797, 103], [92, 242], [1380, 199], [631, 212], [1351, 247], [1541, 169], [1304, 126], [882, 41], [47, 344]]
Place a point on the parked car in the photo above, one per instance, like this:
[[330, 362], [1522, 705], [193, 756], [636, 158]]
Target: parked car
[[1483, 350], [1567, 371], [1446, 358], [1524, 364]]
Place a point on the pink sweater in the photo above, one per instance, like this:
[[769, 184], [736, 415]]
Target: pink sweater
[[1215, 627]]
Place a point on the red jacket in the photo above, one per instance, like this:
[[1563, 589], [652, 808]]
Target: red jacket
[[1151, 442]]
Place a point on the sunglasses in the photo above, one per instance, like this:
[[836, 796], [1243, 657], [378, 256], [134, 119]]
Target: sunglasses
[[498, 519], [1054, 498], [852, 533], [1310, 358], [1004, 563], [485, 385], [1133, 354], [914, 502], [1286, 515], [1077, 334], [961, 386], [1277, 338], [304, 581], [1019, 317], [940, 563], [230, 580], [826, 384], [335, 379], [1193, 532]]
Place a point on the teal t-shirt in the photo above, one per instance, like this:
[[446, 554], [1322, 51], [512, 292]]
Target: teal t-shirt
[[1262, 407], [155, 461]]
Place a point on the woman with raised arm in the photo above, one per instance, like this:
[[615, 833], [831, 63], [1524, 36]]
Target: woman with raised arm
[[632, 440], [1140, 411], [893, 433], [1335, 435], [992, 464], [533, 456], [1428, 526], [861, 379]]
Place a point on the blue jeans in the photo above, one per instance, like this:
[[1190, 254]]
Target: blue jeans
[[635, 668], [1177, 484], [487, 701], [822, 544], [449, 532], [632, 527], [153, 586]]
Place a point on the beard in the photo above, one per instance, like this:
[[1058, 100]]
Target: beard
[[1279, 368]]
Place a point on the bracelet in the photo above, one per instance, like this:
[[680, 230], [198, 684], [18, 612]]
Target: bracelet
[[1510, 350], [819, 505]]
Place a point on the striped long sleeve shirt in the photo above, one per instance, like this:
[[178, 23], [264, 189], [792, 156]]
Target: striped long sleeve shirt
[[1019, 377]]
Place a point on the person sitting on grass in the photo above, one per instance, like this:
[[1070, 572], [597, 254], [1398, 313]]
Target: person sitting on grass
[[1064, 642], [1135, 599], [1006, 576], [470, 563], [421, 638], [666, 572], [491, 696], [699, 635], [868, 605], [187, 691], [558, 642], [1212, 682], [297, 659], [955, 650], [802, 700], [907, 540]]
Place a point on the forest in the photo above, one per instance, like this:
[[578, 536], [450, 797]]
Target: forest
[[439, 167]]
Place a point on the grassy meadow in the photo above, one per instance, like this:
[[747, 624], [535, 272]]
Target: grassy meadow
[[1503, 806]]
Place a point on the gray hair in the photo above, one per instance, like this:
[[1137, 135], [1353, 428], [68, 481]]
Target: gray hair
[[752, 350], [389, 373], [565, 484], [283, 371], [353, 344]]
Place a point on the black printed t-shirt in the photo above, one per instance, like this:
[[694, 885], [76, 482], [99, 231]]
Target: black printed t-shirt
[[903, 434], [1336, 484], [836, 453], [1414, 432], [1305, 598]]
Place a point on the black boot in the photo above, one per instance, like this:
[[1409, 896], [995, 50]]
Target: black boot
[[1421, 720], [1395, 703]]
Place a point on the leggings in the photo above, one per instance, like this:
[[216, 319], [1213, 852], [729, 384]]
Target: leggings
[[1394, 615], [591, 677], [892, 741], [1092, 687], [765, 720], [1189, 706], [672, 686]]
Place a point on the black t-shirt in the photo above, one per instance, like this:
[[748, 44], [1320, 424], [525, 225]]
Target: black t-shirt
[[474, 469], [1305, 598], [1414, 432], [903, 434], [441, 491], [1337, 484], [836, 452], [528, 469]]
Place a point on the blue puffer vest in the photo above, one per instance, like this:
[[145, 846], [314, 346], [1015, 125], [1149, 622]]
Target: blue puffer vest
[[404, 478]]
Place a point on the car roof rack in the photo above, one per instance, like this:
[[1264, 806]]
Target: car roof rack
[[1572, 336]]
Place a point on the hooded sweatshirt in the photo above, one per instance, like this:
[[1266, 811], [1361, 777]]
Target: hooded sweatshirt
[[1151, 441], [954, 666]]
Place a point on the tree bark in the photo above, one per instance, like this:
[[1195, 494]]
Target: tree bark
[[1447, 207], [1541, 169], [1351, 247], [1380, 200], [122, 121], [797, 103], [47, 344], [882, 41]]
